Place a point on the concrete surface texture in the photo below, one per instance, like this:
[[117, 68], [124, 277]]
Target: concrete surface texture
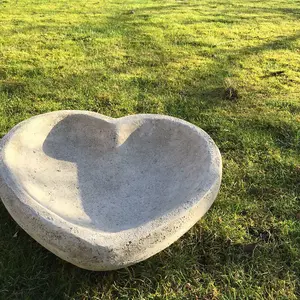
[[105, 193]]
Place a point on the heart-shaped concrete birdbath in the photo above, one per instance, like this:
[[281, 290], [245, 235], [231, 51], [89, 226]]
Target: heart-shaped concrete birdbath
[[105, 193]]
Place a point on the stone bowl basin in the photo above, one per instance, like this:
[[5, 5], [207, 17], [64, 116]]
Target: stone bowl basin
[[105, 193]]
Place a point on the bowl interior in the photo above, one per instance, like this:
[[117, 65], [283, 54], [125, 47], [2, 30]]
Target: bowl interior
[[110, 175]]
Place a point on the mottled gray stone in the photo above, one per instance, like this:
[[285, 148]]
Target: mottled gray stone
[[105, 193]]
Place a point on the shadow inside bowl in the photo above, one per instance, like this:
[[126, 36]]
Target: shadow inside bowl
[[127, 175]]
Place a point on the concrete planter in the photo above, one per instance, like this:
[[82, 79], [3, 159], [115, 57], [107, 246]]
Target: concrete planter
[[105, 193]]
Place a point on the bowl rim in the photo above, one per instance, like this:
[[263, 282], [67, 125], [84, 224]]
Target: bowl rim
[[52, 219]]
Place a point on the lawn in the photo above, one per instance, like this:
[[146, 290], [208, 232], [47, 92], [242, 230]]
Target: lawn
[[232, 67]]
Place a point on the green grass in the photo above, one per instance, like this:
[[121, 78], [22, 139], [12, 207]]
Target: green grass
[[175, 58]]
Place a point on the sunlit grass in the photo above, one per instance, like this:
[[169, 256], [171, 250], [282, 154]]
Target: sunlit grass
[[176, 58]]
